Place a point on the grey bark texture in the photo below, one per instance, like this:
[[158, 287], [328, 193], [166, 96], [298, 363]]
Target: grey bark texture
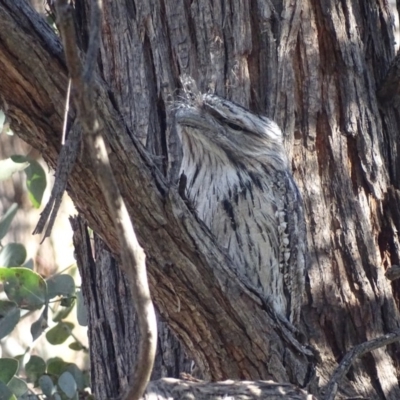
[[314, 66], [168, 388]]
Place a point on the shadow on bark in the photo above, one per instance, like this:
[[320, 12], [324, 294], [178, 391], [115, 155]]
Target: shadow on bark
[[112, 321]]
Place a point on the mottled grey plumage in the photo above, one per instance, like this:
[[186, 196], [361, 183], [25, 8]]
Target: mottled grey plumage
[[240, 184]]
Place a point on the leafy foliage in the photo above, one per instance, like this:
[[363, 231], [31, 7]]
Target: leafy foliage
[[35, 179], [24, 287], [26, 292], [6, 219], [35, 175]]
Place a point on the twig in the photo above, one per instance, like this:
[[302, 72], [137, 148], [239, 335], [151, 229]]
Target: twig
[[132, 255], [66, 161], [355, 352]]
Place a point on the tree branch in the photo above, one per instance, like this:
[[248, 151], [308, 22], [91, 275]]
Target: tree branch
[[132, 255], [355, 352], [169, 388]]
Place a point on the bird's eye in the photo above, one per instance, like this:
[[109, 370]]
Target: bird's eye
[[233, 126]]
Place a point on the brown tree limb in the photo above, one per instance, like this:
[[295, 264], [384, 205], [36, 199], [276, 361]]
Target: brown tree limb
[[132, 255], [169, 388], [355, 352]]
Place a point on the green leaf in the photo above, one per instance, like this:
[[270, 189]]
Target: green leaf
[[86, 377], [76, 346], [9, 317], [56, 366], [40, 325], [77, 375], [81, 310], [8, 167], [12, 255], [60, 285], [18, 386], [63, 312], [47, 385], [35, 368], [5, 392], [25, 287], [6, 219], [35, 179], [8, 368], [36, 182], [67, 384], [59, 333]]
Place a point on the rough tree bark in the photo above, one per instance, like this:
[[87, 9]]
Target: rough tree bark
[[314, 66]]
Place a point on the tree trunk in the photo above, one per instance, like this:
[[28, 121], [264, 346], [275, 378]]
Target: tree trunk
[[313, 66], [110, 306]]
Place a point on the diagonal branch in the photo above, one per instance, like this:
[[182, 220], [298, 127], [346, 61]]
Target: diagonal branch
[[132, 255], [355, 352]]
